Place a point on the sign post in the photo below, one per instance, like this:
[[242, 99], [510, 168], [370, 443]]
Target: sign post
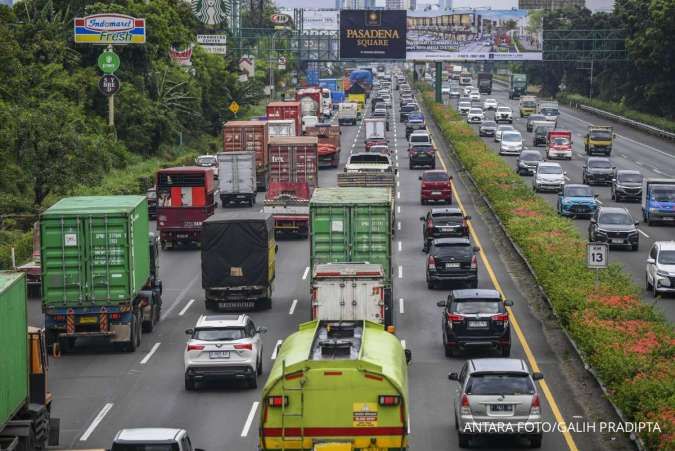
[[597, 257]]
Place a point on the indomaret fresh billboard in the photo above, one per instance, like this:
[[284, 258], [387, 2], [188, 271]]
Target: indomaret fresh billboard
[[379, 34]]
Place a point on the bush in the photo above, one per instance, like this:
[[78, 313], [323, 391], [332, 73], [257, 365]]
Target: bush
[[628, 344]]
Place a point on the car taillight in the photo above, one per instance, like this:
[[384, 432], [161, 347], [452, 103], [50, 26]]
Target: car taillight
[[474, 262], [455, 317], [431, 262], [195, 347], [247, 346], [535, 408], [465, 409], [277, 401], [501, 320], [389, 400]]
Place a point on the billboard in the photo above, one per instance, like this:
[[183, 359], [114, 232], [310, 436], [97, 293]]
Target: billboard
[[372, 35], [474, 35], [320, 20], [116, 29]]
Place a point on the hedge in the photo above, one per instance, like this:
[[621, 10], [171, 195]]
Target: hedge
[[629, 345]]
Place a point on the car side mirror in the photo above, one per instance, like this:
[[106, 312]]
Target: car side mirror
[[508, 303], [593, 221], [468, 218], [651, 261], [636, 223], [261, 330], [537, 376], [476, 249], [276, 248], [419, 178], [408, 356], [453, 377], [441, 303], [596, 195], [564, 172], [189, 331]]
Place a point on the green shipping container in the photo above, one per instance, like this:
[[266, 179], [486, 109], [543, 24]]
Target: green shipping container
[[14, 339], [351, 225], [94, 250]]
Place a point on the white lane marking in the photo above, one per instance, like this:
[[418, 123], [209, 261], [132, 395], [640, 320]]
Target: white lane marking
[[657, 171], [295, 302], [567, 178], [397, 164], [639, 163], [398, 183], [400, 271], [403, 344], [398, 226], [398, 194], [180, 296], [276, 349], [187, 306], [400, 246], [304, 275], [97, 420], [249, 420], [398, 209], [643, 234], [148, 356], [401, 308]]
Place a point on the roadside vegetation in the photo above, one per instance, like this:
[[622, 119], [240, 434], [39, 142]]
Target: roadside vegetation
[[629, 345]]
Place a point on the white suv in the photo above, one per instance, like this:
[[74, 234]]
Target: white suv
[[548, 176], [464, 108], [419, 137], [660, 270], [475, 115], [474, 94], [223, 347], [504, 114]]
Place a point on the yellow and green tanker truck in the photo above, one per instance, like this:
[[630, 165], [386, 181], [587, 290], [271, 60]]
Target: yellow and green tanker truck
[[337, 386]]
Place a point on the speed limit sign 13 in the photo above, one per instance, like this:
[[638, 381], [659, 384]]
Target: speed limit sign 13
[[597, 255]]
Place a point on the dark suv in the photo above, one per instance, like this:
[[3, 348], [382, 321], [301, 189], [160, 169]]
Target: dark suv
[[627, 185], [452, 260], [414, 122], [540, 135], [597, 171], [406, 110], [421, 155], [614, 226], [443, 223], [475, 319]]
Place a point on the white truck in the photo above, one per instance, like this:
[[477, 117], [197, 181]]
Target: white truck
[[375, 128], [348, 291], [281, 127], [348, 113], [237, 178]]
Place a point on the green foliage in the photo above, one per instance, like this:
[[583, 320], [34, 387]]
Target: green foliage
[[628, 344]]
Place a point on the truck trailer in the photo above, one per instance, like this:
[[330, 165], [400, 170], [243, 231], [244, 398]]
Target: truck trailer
[[329, 143], [517, 85], [485, 82], [237, 178], [285, 111], [252, 136]]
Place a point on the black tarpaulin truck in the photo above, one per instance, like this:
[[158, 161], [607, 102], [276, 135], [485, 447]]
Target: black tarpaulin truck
[[238, 260]]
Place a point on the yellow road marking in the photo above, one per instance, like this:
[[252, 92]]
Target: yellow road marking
[[516, 326]]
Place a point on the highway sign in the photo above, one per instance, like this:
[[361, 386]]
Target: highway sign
[[109, 84], [115, 29], [597, 255], [234, 107], [108, 62]]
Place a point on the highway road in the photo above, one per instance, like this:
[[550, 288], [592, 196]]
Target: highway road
[[97, 391], [652, 156]]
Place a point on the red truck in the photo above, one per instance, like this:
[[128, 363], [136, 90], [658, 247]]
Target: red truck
[[310, 101], [285, 110], [329, 143], [294, 165], [185, 198], [249, 136], [559, 144]]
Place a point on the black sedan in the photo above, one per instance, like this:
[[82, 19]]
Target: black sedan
[[475, 319], [598, 171], [422, 155], [444, 223], [452, 260]]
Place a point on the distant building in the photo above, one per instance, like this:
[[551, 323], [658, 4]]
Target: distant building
[[338, 4], [550, 4], [492, 4], [400, 4]]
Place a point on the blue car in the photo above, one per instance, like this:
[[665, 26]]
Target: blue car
[[577, 200]]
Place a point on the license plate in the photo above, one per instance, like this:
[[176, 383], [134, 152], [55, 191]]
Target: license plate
[[478, 323], [435, 193], [501, 407], [219, 354], [617, 241], [452, 265], [447, 228], [88, 320]]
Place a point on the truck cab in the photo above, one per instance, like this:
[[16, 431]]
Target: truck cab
[[658, 201], [347, 113], [599, 139], [155, 439], [559, 144], [527, 106]]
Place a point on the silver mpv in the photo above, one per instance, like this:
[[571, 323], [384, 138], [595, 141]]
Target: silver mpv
[[497, 397]]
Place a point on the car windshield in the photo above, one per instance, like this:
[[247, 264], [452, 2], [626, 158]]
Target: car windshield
[[369, 158], [222, 334], [206, 161], [419, 138], [435, 177], [601, 164], [503, 109], [615, 219], [629, 178], [542, 130], [500, 384], [667, 257], [461, 250], [474, 306], [476, 111], [511, 137], [601, 135], [144, 447], [407, 108], [664, 194], [578, 191], [531, 156], [529, 104], [550, 170], [560, 141], [447, 216], [464, 105], [549, 111], [489, 124], [422, 148], [504, 128]]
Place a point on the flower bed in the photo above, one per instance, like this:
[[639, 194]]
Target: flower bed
[[630, 347]]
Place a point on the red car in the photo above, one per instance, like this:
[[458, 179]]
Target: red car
[[436, 187], [376, 142]]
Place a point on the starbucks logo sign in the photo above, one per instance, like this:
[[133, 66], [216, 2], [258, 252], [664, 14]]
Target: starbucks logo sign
[[211, 12]]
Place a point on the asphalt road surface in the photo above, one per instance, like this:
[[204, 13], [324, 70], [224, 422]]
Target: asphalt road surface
[[652, 156], [98, 392]]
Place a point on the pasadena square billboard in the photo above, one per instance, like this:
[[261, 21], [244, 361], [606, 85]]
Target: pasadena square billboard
[[372, 35]]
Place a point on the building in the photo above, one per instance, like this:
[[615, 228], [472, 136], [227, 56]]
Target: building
[[338, 4], [479, 4], [550, 4], [400, 4]]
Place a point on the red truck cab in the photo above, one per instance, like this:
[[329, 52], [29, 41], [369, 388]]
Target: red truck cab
[[559, 144], [185, 198], [436, 187]]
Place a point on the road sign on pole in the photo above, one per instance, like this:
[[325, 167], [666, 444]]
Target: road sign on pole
[[234, 107], [109, 84], [597, 255], [108, 62]]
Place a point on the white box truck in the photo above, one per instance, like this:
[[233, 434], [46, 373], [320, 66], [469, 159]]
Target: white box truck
[[375, 128], [348, 113], [237, 178]]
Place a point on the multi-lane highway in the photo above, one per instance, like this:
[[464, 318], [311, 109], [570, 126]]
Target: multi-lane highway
[[97, 391], [652, 156]]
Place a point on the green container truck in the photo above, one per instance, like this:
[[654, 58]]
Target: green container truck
[[338, 386], [517, 85], [25, 422], [100, 275], [353, 225]]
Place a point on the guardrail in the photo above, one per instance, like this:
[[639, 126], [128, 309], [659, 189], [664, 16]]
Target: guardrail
[[624, 120]]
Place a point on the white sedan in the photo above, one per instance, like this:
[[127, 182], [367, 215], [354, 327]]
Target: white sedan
[[490, 104]]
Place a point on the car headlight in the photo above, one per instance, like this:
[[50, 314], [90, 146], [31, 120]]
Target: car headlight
[[662, 273]]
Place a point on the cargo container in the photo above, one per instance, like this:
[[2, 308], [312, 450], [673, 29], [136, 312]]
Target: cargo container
[[517, 85], [310, 101], [238, 260], [338, 385], [236, 180], [330, 83], [185, 198], [281, 128], [25, 403], [100, 276], [285, 110], [329, 143], [348, 113], [353, 225], [251, 136], [370, 179]]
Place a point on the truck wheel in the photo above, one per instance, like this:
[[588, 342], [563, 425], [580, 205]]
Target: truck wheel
[[535, 442], [463, 440]]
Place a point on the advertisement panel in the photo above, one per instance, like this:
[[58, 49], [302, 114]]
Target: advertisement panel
[[474, 35], [116, 29], [372, 35], [320, 20]]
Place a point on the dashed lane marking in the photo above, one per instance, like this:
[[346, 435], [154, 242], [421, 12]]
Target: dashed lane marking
[[400, 271], [293, 304], [249, 419], [304, 275], [149, 355], [401, 307], [96, 421], [276, 349], [187, 306], [643, 234]]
